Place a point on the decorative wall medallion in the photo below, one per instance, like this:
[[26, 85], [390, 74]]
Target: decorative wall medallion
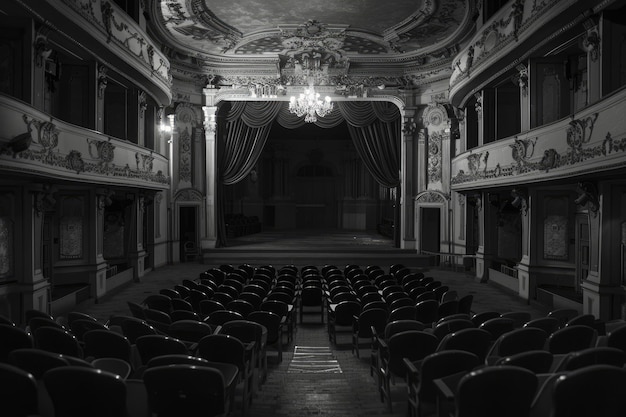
[[435, 114]]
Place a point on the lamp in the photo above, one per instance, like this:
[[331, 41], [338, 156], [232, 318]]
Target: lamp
[[309, 105]]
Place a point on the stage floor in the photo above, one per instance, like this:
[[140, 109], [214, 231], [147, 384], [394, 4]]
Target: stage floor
[[307, 240]]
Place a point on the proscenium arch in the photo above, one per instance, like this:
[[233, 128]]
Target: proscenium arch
[[213, 96]]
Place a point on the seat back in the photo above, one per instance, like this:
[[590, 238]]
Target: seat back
[[134, 327], [498, 326], [154, 345], [596, 390], [520, 340], [18, 395], [547, 324], [11, 338], [617, 338], [57, 340], [571, 338], [411, 344], [593, 356], [344, 312], [451, 326], [397, 326], [440, 364], [190, 330], [427, 311], [474, 340], [36, 361], [496, 391], [79, 391], [537, 361], [106, 344], [374, 317], [223, 348]]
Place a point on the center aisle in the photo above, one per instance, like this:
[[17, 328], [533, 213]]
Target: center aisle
[[351, 393]]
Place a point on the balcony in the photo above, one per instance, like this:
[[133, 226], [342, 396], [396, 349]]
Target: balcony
[[517, 31], [593, 140], [33, 142]]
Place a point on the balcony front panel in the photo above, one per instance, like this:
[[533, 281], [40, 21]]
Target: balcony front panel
[[591, 141], [32, 142]]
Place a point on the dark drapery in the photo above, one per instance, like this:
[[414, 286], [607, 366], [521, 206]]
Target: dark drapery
[[245, 131], [375, 131], [374, 128]]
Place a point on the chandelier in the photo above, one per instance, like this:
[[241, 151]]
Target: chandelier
[[309, 105]]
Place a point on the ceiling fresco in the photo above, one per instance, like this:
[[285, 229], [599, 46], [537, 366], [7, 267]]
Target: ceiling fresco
[[341, 36]]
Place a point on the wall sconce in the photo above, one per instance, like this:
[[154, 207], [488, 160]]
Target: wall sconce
[[168, 129]]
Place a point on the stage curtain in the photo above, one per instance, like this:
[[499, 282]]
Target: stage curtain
[[247, 125], [375, 131]]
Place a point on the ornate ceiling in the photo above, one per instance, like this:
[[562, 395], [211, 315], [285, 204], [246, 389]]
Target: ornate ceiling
[[227, 41]]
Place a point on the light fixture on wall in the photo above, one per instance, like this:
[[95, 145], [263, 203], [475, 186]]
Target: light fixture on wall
[[310, 105], [168, 128]]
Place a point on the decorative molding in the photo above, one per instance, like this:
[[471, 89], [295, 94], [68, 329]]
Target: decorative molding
[[103, 198], [104, 152], [103, 80], [591, 43], [432, 196], [588, 197], [44, 199], [143, 103], [520, 200], [475, 200], [409, 126], [188, 194]]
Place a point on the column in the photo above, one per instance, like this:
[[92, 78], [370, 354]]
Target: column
[[35, 288], [98, 275], [137, 251], [210, 233], [407, 192], [521, 200]]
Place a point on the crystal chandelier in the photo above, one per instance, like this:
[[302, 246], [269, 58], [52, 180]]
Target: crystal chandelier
[[309, 105]]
